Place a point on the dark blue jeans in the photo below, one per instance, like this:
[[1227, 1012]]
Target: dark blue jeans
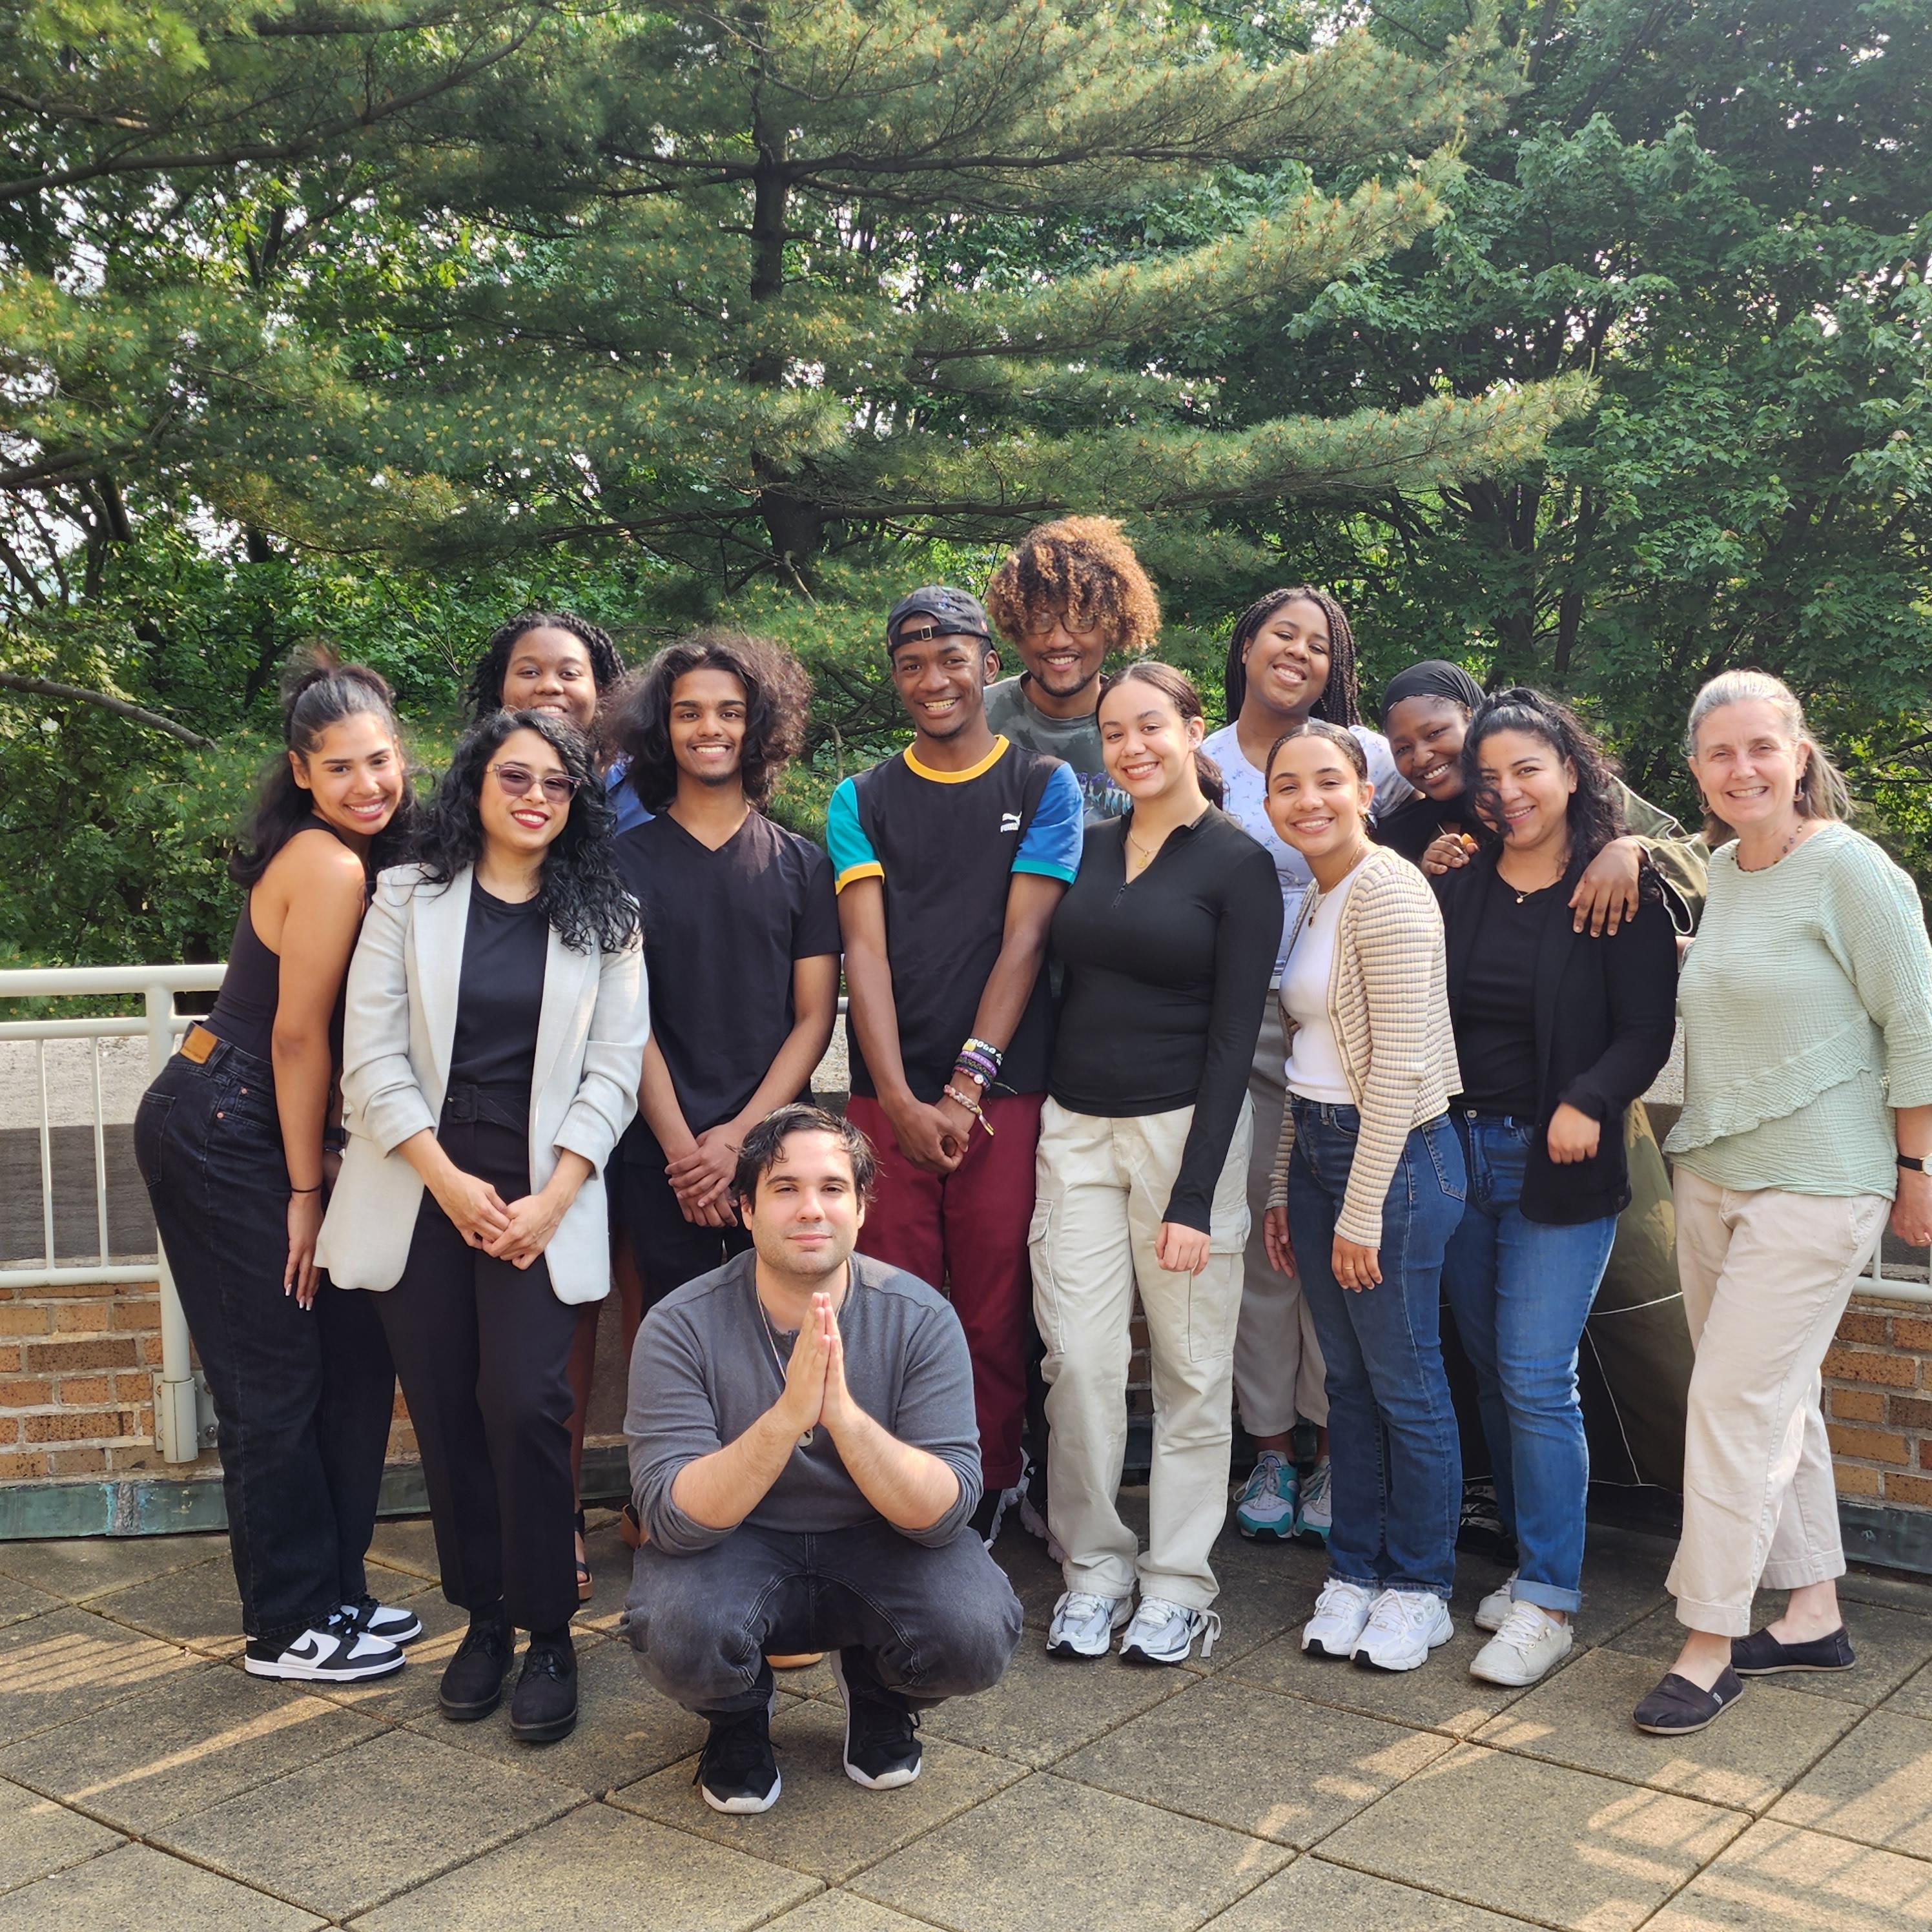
[[1521, 1292], [1397, 1461], [302, 1397]]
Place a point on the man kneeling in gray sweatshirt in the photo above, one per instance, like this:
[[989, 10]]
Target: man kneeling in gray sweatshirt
[[804, 1460]]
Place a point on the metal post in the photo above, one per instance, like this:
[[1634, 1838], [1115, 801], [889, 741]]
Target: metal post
[[177, 1430]]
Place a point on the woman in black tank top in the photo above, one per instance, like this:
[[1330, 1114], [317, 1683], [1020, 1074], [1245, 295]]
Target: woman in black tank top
[[231, 1141]]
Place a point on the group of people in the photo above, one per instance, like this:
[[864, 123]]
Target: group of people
[[1286, 1035]]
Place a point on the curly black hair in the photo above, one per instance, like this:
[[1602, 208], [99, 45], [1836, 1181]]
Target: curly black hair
[[484, 692], [777, 694], [579, 892], [1596, 813], [1339, 703]]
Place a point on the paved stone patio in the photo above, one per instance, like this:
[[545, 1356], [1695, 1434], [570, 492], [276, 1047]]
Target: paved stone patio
[[146, 1783]]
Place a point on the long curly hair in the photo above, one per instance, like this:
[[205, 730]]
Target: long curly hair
[[578, 892], [777, 695], [317, 691], [1595, 813], [484, 691], [1340, 701], [1084, 566]]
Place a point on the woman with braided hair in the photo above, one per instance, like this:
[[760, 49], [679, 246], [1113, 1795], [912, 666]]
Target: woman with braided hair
[[1291, 657]]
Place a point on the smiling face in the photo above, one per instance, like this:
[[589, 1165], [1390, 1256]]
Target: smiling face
[[1425, 738], [355, 776], [1747, 764], [1063, 659], [805, 1218], [706, 725], [1526, 785], [1317, 801], [1287, 660], [942, 683], [524, 823], [549, 669], [1145, 743]]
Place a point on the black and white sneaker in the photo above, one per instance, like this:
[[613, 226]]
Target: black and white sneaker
[[389, 1621], [737, 1772], [335, 1652], [990, 1513], [882, 1747]]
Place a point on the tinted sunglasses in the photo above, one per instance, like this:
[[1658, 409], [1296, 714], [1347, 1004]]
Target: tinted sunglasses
[[516, 781]]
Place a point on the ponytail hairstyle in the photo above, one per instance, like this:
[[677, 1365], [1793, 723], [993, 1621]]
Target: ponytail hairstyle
[[578, 891], [1339, 703], [317, 691], [1596, 813], [1822, 791], [484, 693], [1178, 689]]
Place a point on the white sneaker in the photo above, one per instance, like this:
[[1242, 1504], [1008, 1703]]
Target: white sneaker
[[1265, 1504], [1084, 1624], [389, 1621], [1315, 1514], [336, 1652], [1340, 1612], [1530, 1644], [1164, 1633], [1404, 1626], [1493, 1613]]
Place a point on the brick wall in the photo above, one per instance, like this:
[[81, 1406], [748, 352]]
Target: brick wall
[[1878, 1403]]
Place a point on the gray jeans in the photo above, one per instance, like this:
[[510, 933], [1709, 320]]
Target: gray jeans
[[934, 1623]]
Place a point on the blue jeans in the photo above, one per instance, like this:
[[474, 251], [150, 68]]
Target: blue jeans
[[1521, 1292], [1397, 1461]]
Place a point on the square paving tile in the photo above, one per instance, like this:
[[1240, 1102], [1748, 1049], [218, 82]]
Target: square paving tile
[[198, 1740], [1313, 1896], [1582, 1717], [1913, 1698], [1536, 1840], [844, 1912], [1051, 1853], [602, 1868], [822, 1823], [1776, 1876], [1889, 1589], [69, 1663], [1045, 1707], [82, 1567], [625, 1729], [38, 1837], [406, 1542], [1876, 1787], [138, 1889], [1258, 1602], [19, 1600], [1623, 1581], [437, 1808], [1259, 1763]]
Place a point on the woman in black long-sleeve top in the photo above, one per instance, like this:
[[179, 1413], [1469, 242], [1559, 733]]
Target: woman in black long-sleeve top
[[1166, 939], [1558, 1030]]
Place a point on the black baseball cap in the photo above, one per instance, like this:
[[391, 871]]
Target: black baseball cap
[[958, 613]]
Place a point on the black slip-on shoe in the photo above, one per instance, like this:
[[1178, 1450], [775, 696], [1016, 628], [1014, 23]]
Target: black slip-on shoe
[[544, 1707], [472, 1680], [1677, 1707], [1761, 1655]]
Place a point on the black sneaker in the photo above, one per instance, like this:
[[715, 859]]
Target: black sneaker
[[335, 1652], [737, 1772], [472, 1680], [388, 1621], [882, 1747], [545, 1706]]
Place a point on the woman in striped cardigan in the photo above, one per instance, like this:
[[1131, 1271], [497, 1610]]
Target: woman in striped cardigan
[[1367, 1190]]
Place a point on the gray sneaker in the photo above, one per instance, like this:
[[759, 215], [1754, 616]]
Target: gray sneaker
[[1084, 1624], [1164, 1633]]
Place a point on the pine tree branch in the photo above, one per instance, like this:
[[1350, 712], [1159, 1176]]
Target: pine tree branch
[[46, 687]]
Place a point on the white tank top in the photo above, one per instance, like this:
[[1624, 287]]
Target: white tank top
[[1314, 1066]]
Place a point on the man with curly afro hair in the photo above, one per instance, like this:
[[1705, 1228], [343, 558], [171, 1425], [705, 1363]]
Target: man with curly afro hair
[[1071, 594]]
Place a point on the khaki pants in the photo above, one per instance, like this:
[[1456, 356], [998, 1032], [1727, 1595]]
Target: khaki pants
[[1766, 1275], [1101, 1189], [1278, 1376]]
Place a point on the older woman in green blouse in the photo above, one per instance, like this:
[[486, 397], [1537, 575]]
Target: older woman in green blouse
[[1807, 1002]]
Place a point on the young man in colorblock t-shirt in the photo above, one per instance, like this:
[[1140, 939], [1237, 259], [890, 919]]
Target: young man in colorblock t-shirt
[[950, 860]]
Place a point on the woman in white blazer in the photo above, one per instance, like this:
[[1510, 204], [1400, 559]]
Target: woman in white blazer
[[493, 1044]]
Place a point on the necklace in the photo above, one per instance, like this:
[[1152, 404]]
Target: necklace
[[1783, 852], [1147, 857], [1523, 892], [778, 1360]]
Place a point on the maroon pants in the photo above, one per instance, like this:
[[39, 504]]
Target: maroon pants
[[965, 1234]]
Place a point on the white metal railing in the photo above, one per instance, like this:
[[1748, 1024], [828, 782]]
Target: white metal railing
[[175, 1420]]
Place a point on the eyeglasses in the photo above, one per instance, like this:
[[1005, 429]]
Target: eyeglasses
[[1041, 623], [517, 780]]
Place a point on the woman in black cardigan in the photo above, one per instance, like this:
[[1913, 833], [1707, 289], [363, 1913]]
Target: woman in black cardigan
[[1558, 1030]]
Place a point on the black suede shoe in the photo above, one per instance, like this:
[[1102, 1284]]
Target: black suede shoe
[[1677, 1707], [472, 1680], [545, 1706], [882, 1747], [1761, 1655]]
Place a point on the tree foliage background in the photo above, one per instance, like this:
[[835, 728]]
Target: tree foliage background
[[1585, 341]]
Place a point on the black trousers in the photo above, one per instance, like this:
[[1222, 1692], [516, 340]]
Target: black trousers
[[933, 1623], [483, 1349], [669, 1250], [302, 1397]]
